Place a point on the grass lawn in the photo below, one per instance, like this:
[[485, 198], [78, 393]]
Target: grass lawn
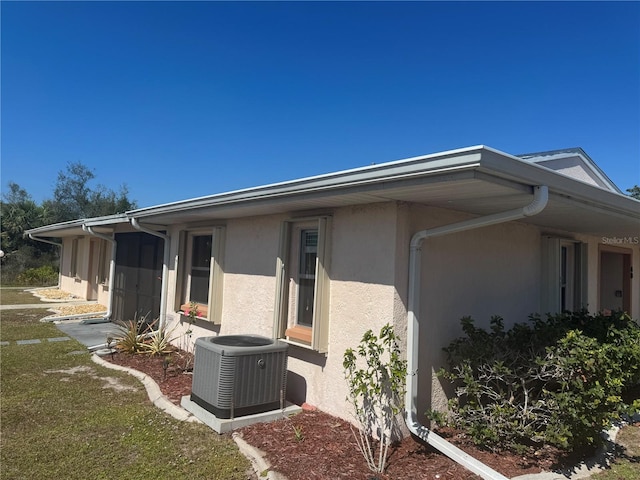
[[63, 416], [17, 296], [626, 467]]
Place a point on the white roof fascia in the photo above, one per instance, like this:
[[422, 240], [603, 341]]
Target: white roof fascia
[[106, 220], [479, 159], [443, 162], [55, 227], [560, 184]]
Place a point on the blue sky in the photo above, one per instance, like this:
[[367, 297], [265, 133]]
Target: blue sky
[[185, 99]]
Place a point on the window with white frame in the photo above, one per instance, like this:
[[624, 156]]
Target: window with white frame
[[73, 267], [302, 279], [564, 274], [200, 285], [103, 262]]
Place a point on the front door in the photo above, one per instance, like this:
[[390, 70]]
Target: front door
[[138, 276], [615, 280]]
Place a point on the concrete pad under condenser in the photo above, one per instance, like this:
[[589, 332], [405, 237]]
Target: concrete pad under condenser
[[225, 425]]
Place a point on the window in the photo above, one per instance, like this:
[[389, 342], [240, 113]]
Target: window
[[302, 298], [199, 269], [307, 276], [201, 273], [564, 271], [73, 269], [104, 261]]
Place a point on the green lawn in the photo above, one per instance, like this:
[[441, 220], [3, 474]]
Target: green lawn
[[627, 467], [17, 296], [63, 416]]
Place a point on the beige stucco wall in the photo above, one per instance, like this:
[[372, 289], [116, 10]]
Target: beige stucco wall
[[75, 285], [87, 267], [488, 271], [362, 293], [249, 278], [494, 270], [362, 297]]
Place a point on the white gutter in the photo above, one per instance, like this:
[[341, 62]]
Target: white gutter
[[165, 263], [43, 240], [112, 269], [540, 199]]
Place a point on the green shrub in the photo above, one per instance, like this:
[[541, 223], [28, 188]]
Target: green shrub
[[44, 275], [555, 381]]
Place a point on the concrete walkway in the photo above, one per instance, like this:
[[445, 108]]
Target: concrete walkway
[[89, 334]]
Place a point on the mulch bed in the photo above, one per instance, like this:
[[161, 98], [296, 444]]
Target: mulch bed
[[174, 382], [316, 446], [324, 448]]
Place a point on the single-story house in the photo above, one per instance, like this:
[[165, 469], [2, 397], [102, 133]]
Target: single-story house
[[418, 243]]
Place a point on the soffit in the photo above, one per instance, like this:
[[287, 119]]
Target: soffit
[[468, 191], [472, 192]]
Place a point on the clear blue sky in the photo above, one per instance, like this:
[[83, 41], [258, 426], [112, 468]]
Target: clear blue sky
[[184, 99]]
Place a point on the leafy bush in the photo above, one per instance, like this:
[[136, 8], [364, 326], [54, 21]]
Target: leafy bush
[[44, 275], [376, 391], [557, 381]]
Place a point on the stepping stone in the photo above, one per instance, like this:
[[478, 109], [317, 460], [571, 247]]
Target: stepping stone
[[58, 339], [28, 342], [77, 352], [4, 344]]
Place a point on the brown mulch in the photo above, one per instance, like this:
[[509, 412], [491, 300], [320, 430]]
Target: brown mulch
[[174, 383], [316, 446]]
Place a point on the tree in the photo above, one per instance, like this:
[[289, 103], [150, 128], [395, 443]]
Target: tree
[[634, 192], [19, 213], [74, 199]]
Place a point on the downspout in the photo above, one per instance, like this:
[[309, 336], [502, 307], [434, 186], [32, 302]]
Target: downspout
[[165, 263], [112, 273], [540, 199]]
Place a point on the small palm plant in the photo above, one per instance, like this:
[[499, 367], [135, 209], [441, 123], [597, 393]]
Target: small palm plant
[[133, 335], [159, 342]]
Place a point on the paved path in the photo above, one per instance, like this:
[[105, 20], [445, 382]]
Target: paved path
[[34, 341], [89, 334]]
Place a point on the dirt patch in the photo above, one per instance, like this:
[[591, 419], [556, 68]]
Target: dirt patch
[[112, 383], [629, 439]]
